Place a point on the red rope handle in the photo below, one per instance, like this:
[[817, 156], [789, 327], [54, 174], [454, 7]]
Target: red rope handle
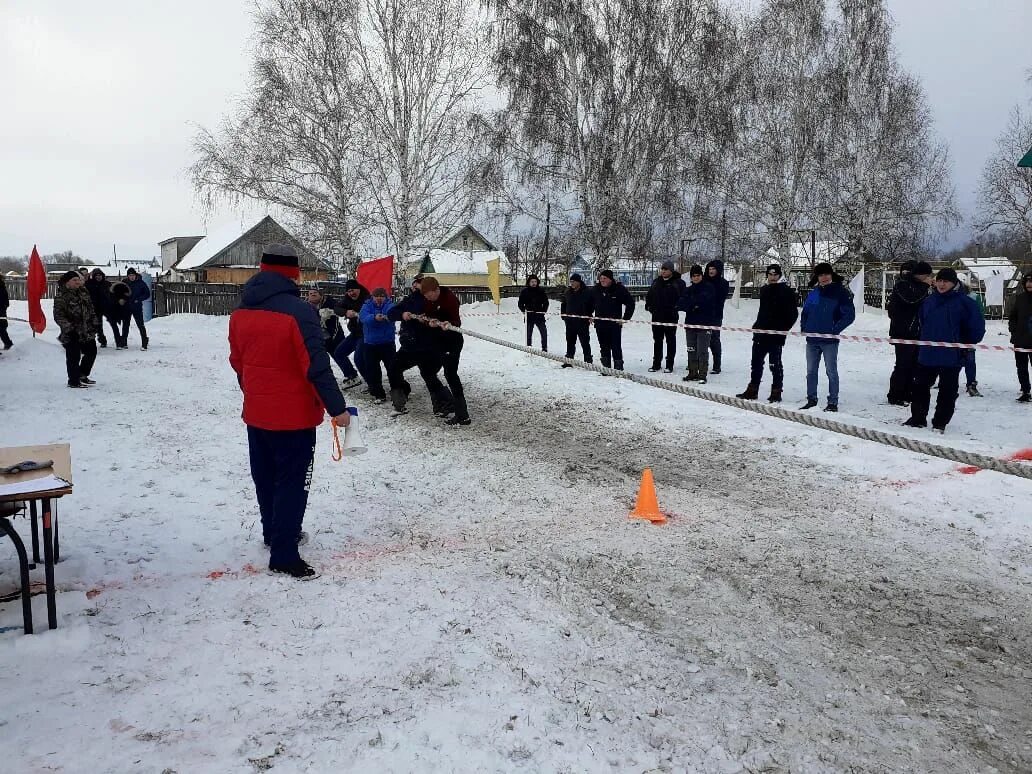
[[338, 453]]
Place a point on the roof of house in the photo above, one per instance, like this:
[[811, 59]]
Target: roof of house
[[164, 242], [459, 229], [989, 267], [460, 261], [226, 236]]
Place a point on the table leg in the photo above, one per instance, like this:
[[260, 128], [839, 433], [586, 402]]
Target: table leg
[[57, 543], [48, 559], [23, 564], [35, 531]]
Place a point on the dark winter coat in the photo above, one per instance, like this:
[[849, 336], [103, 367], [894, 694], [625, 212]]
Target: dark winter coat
[[827, 309], [579, 302], [778, 312], [74, 314], [5, 299], [951, 316], [413, 336], [100, 294], [377, 331], [1020, 320], [333, 332], [348, 304], [903, 305], [615, 301], [721, 288], [121, 307], [533, 300], [138, 293], [277, 349], [699, 303], [662, 298], [446, 309]]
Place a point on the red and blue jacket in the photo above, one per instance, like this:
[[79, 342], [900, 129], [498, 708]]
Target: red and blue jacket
[[277, 349]]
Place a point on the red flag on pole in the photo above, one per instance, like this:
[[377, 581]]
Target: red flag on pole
[[376, 274], [36, 288]]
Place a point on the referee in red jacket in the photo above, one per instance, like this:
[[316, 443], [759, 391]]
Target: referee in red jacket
[[277, 349]]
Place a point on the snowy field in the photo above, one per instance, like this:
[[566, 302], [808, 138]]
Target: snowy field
[[816, 603]]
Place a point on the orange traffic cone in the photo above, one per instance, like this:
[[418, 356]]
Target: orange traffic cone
[[647, 506]]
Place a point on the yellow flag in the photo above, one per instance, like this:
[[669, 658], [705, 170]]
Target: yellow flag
[[494, 281]]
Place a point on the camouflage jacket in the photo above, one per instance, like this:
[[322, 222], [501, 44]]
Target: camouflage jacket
[[73, 311]]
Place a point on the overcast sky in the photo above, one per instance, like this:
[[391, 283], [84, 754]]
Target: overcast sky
[[98, 103]]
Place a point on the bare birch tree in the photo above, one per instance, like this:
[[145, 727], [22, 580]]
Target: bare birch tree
[[1005, 194], [601, 95], [291, 141], [419, 67]]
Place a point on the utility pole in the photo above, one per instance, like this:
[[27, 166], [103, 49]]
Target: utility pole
[[548, 235], [813, 247], [723, 235]]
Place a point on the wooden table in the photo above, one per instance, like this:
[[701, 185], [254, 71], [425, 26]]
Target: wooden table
[[41, 494]]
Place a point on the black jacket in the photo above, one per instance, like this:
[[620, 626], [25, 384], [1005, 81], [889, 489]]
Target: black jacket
[[615, 302], [121, 307], [413, 336], [347, 304], [779, 310], [533, 300], [5, 299], [100, 294], [903, 306], [720, 285], [662, 298], [1020, 320], [580, 303]]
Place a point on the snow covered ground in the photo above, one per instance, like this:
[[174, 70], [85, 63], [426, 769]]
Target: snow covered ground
[[816, 603]]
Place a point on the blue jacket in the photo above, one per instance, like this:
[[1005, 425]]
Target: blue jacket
[[699, 301], [949, 316], [827, 309], [138, 293], [720, 286], [376, 331]]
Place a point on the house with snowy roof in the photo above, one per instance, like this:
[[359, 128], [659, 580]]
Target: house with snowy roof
[[232, 254], [460, 260]]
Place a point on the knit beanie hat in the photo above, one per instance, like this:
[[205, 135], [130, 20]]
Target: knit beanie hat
[[606, 273], [695, 270], [823, 268], [576, 278], [352, 285], [947, 274], [774, 269], [922, 268], [69, 275], [281, 259], [668, 265]]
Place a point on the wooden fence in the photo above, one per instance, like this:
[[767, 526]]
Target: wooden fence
[[16, 288], [194, 298]]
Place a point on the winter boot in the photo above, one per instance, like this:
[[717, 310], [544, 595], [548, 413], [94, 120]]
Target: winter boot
[[441, 401], [833, 407], [654, 369], [810, 403], [915, 423], [701, 375], [618, 365], [693, 373], [775, 395], [1025, 397], [399, 399], [972, 390], [144, 343], [299, 569], [606, 362], [752, 392]]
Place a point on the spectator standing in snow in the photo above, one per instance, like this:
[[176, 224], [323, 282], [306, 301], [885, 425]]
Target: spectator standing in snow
[[533, 302], [121, 313], [828, 309], [778, 312], [970, 366], [442, 312], [416, 348], [73, 312], [138, 293], [699, 303], [276, 349], [661, 302], [5, 303], [99, 288], [348, 309], [378, 339], [577, 301], [947, 315], [715, 276], [908, 293], [613, 300], [1020, 324]]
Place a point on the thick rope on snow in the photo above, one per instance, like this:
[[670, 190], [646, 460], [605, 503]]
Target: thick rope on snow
[[811, 420]]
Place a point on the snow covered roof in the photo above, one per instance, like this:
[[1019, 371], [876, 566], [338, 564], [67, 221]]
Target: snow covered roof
[[983, 268], [461, 262], [827, 252], [213, 243]]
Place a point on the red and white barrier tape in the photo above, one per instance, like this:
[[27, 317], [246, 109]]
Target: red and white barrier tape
[[738, 329]]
